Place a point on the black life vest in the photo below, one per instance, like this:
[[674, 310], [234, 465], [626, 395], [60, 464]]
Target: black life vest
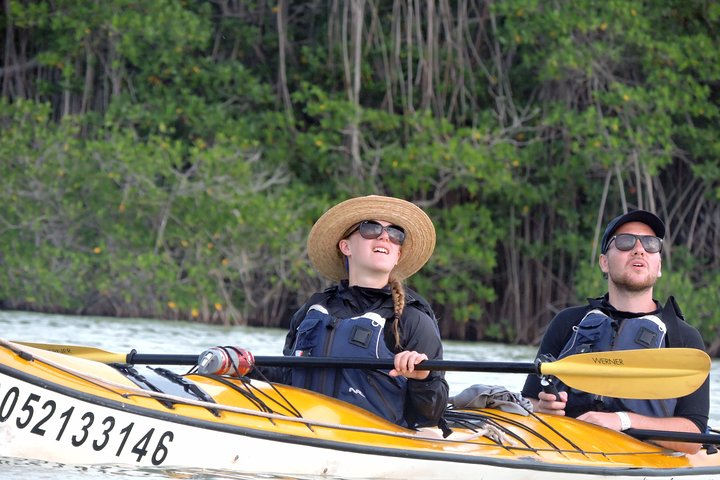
[[598, 332], [322, 335]]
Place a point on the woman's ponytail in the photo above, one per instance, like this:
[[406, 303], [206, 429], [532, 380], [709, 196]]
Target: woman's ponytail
[[398, 295]]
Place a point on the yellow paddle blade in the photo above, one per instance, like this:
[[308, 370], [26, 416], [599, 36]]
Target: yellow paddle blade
[[90, 353], [644, 374]]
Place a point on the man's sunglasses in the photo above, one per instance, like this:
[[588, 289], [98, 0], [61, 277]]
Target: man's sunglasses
[[626, 241], [370, 229]]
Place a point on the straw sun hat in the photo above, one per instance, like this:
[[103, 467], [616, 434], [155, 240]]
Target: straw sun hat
[[322, 243]]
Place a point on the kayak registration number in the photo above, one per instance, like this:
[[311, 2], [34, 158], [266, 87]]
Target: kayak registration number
[[67, 424]]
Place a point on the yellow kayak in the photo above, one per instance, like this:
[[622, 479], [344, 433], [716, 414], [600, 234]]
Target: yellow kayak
[[62, 408]]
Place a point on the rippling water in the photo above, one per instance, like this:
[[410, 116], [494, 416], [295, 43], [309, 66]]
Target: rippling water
[[158, 336]]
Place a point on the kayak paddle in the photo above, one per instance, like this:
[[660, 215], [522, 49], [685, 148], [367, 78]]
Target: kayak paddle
[[645, 374]]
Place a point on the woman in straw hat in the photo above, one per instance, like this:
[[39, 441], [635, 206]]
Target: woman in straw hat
[[369, 245]]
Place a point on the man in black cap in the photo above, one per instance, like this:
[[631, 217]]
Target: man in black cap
[[626, 317]]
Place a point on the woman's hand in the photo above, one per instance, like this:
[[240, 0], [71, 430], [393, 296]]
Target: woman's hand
[[405, 365]]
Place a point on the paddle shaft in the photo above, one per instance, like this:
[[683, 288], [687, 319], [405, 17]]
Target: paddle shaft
[[709, 438], [387, 364], [361, 363]]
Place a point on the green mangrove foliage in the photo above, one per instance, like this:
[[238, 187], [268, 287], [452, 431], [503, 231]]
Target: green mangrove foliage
[[168, 158]]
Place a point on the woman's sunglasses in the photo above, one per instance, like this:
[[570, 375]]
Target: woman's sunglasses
[[626, 241], [370, 229]]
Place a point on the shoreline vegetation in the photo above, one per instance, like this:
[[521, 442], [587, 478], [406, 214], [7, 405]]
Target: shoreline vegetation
[[167, 159]]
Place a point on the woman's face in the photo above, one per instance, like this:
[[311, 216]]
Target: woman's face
[[370, 260]]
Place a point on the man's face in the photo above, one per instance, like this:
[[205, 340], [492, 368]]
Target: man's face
[[634, 269]]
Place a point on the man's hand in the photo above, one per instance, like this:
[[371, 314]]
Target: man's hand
[[549, 403], [604, 419]]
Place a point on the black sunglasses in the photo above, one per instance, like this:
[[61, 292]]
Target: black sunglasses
[[626, 241], [370, 229]]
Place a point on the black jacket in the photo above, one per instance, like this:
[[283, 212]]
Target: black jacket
[[694, 407]]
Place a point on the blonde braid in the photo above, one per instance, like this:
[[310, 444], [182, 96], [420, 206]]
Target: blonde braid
[[398, 294]]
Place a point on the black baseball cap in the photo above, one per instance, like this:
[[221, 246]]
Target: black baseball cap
[[642, 216]]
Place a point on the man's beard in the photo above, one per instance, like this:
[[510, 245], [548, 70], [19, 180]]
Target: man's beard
[[633, 283]]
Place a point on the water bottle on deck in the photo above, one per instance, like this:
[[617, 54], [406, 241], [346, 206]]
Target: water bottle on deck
[[228, 360]]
